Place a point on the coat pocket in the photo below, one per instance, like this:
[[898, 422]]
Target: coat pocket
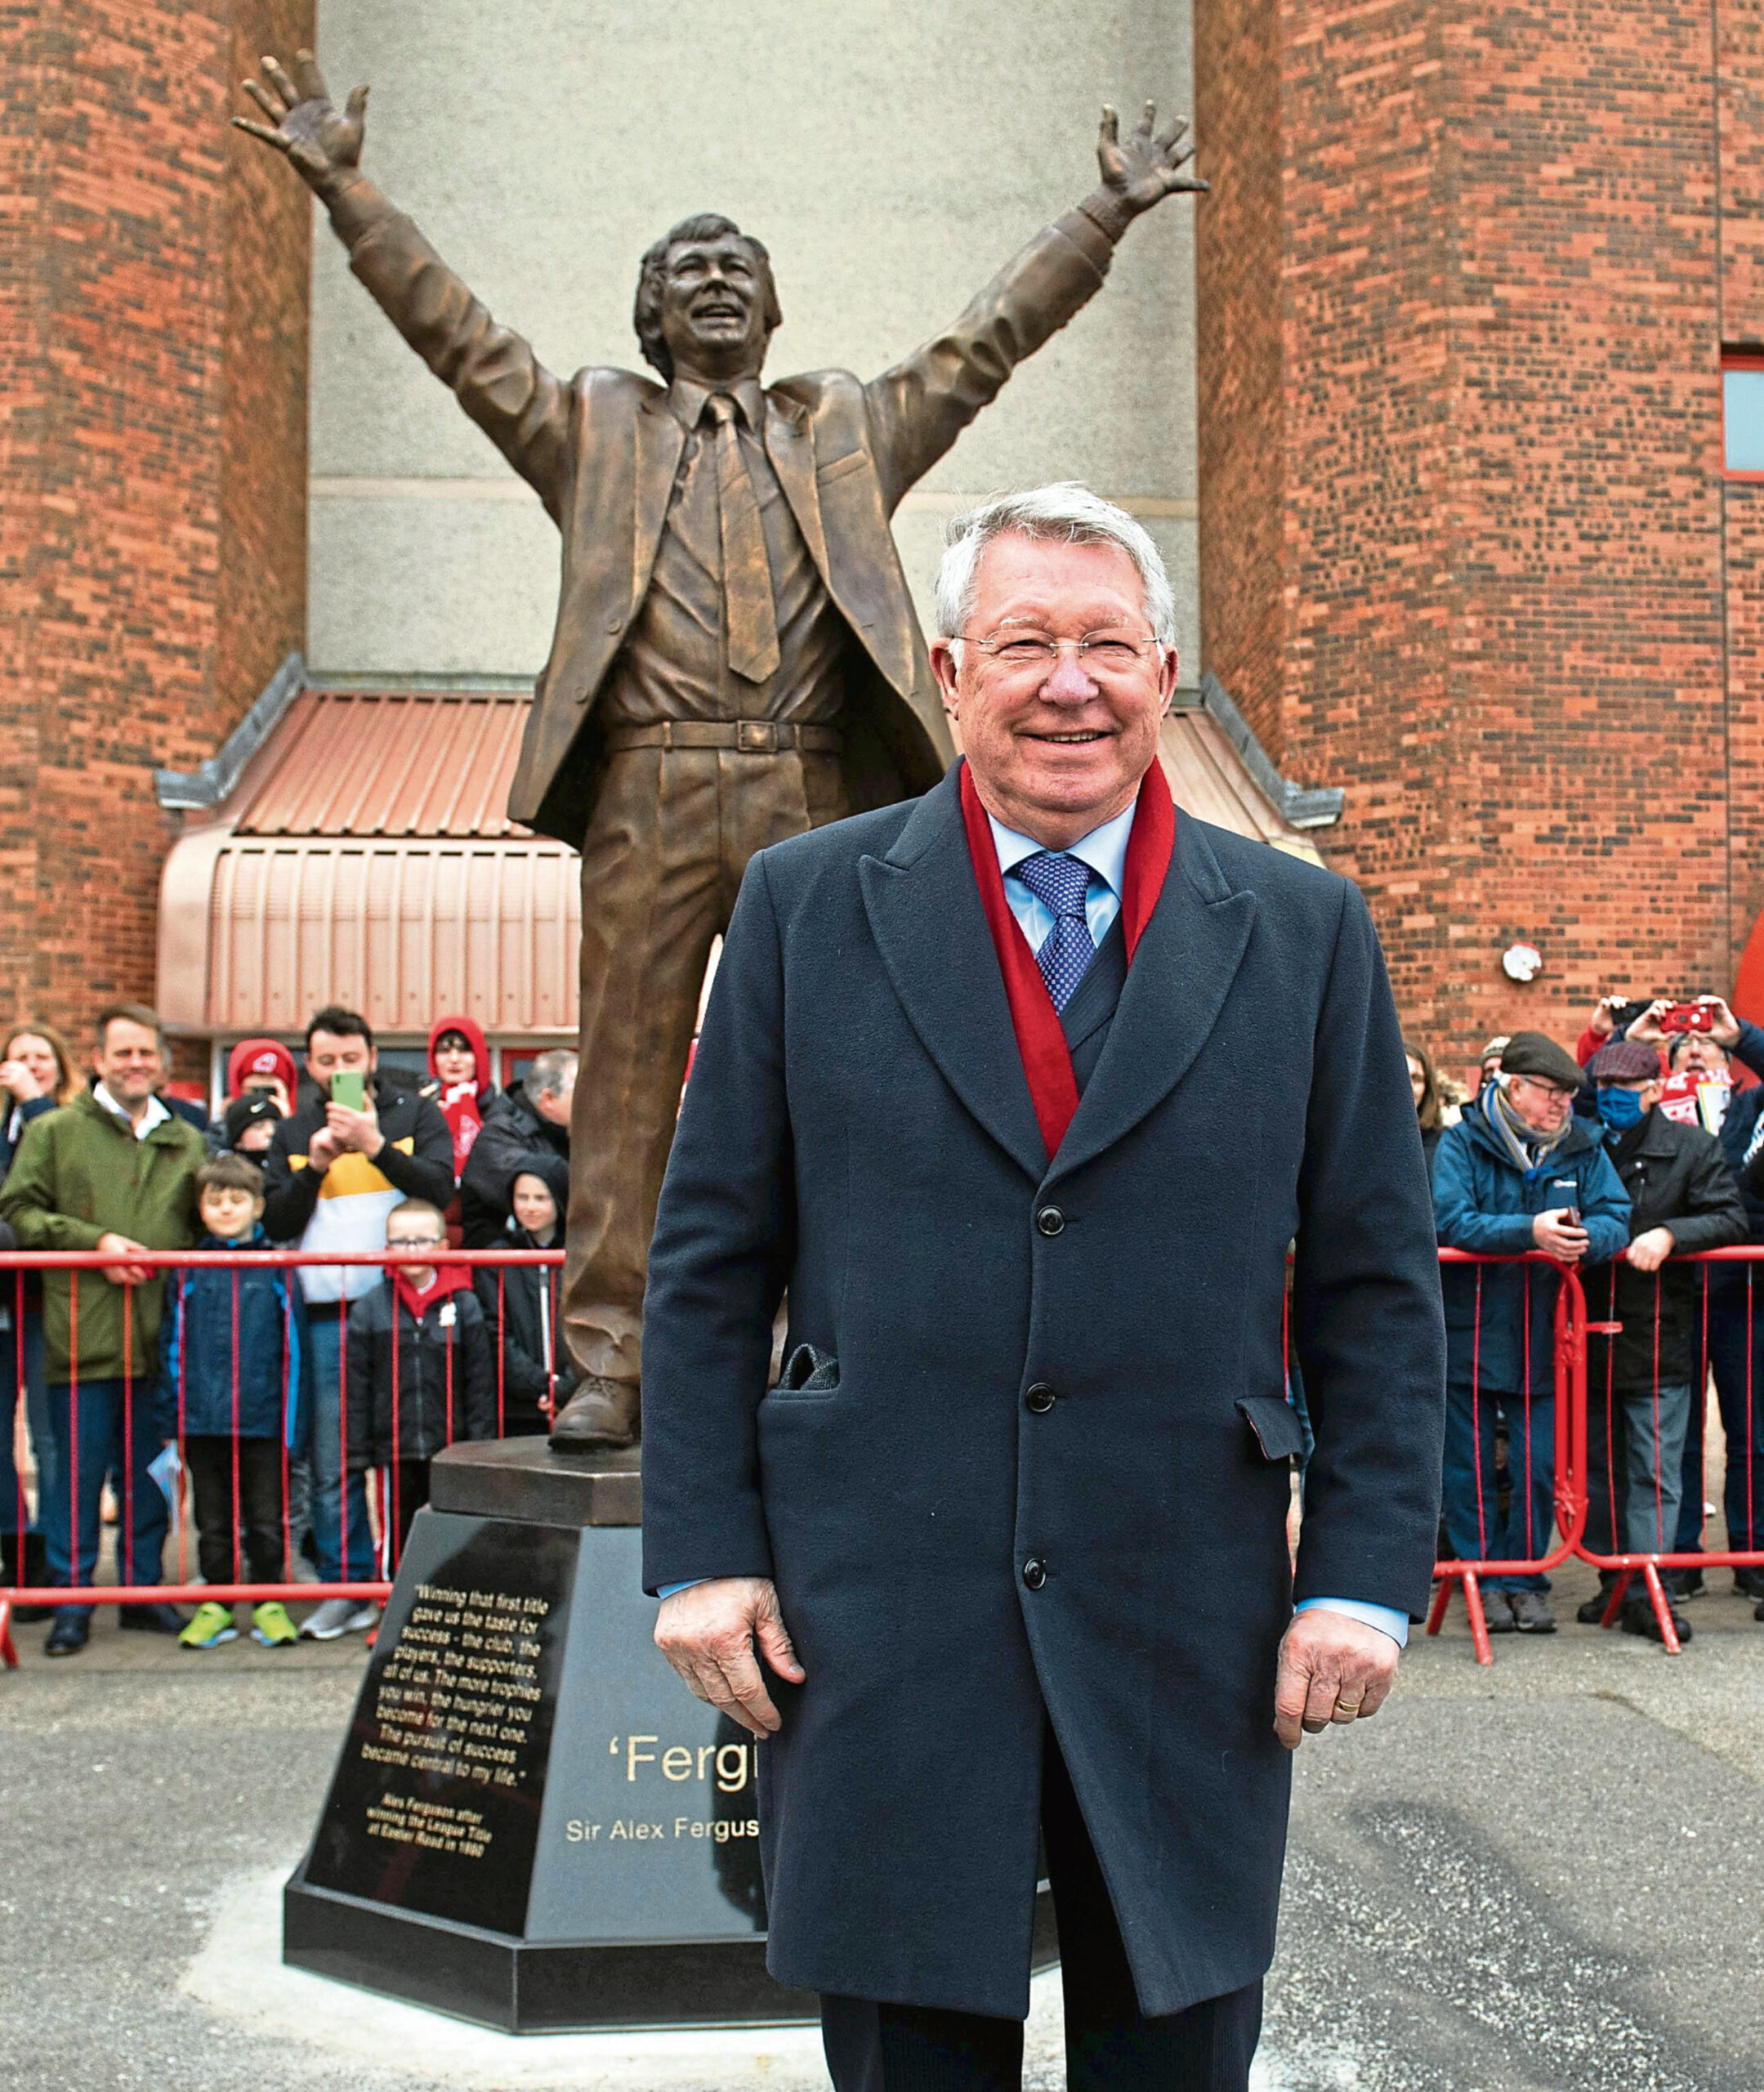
[[1275, 1423], [854, 461], [808, 1371]]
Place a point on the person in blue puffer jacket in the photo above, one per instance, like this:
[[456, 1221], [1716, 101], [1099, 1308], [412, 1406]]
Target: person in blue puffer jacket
[[1519, 1172], [234, 1391]]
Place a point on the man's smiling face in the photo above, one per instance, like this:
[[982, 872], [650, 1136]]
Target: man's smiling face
[[714, 307], [1056, 748]]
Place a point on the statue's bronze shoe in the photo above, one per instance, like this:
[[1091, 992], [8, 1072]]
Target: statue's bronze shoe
[[601, 1416]]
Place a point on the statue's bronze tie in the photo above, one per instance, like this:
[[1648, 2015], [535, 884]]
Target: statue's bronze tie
[[750, 618]]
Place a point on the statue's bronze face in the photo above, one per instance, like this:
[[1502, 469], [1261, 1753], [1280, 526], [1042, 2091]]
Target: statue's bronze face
[[714, 308]]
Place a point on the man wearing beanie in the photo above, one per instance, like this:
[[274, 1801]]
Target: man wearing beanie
[[1518, 1172], [1682, 1198]]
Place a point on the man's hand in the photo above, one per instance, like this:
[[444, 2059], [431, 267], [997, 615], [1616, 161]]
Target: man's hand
[[304, 124], [353, 1132], [1556, 1237], [708, 1634], [1604, 1014], [1332, 1669], [1647, 1027], [322, 1150], [1725, 1030], [122, 1245], [1140, 171], [1650, 1249]]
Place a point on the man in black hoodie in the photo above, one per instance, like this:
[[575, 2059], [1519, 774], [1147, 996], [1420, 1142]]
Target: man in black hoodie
[[1640, 1377], [528, 1124]]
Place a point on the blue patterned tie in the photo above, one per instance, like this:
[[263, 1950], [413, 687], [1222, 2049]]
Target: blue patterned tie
[[1059, 883]]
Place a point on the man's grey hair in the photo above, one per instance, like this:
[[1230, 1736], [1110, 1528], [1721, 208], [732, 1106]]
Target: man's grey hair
[[1065, 513], [551, 1072]]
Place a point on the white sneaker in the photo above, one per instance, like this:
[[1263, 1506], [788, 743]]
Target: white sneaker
[[337, 1617]]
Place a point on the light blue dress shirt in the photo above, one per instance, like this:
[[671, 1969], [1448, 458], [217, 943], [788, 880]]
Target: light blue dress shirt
[[1104, 850]]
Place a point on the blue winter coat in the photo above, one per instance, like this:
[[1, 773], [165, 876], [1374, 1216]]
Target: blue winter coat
[[274, 1356], [1481, 1201]]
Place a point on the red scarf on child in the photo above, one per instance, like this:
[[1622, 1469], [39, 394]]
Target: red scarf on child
[[1040, 1039], [446, 1278]]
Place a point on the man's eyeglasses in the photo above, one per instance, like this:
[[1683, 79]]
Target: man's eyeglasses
[[416, 1242], [1104, 652]]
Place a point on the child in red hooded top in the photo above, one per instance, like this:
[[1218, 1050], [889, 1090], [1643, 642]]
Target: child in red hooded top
[[459, 1070]]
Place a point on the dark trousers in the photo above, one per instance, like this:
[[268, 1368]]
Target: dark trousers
[[404, 1486], [1110, 2046], [1472, 1499], [99, 1431], [669, 836], [237, 1529]]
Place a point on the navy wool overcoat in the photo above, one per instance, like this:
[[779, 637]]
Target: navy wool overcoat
[[858, 1129]]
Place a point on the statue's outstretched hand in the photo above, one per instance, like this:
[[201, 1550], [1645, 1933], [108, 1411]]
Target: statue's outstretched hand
[[304, 122], [1147, 165]]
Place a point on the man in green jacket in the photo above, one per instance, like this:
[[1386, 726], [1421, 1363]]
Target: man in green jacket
[[115, 1171]]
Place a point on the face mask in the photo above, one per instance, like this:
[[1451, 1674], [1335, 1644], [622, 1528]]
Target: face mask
[[1619, 1108]]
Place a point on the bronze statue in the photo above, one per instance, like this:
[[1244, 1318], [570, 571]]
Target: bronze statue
[[736, 657]]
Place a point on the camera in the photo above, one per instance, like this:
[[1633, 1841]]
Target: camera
[[1687, 1017]]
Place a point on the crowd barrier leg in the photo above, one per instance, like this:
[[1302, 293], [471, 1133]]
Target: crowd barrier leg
[[1451, 1573], [8, 1654]]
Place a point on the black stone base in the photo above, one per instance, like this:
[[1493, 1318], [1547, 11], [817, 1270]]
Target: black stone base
[[522, 1987]]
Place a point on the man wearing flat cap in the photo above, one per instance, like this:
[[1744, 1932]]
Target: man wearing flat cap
[[1518, 1172], [1683, 1197]]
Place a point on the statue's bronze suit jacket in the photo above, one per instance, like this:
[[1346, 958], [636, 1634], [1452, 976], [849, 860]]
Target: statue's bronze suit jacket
[[601, 451]]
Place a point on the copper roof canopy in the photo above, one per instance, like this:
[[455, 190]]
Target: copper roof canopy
[[353, 847]]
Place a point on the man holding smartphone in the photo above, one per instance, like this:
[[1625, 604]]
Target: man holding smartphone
[[359, 1146], [1519, 1172]]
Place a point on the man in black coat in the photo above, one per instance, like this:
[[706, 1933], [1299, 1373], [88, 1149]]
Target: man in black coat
[[1642, 1368], [1021, 1090], [528, 1126]]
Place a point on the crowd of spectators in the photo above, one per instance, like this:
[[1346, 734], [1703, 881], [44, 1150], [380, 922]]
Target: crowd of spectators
[[270, 1399], [1623, 1160], [296, 1411]]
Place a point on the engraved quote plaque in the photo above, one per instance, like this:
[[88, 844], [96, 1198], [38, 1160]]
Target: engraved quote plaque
[[436, 1801]]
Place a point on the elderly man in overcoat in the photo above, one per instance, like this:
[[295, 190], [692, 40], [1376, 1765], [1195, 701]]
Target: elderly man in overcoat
[[1019, 1094], [736, 657]]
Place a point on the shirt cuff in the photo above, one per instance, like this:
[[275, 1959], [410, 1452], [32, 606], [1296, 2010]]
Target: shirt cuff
[[1385, 1618], [667, 1590]]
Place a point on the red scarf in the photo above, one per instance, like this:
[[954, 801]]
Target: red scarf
[[448, 1278], [1040, 1040]]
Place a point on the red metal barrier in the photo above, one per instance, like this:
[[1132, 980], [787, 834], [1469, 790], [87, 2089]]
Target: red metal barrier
[[1605, 1405], [127, 1411], [1568, 1468]]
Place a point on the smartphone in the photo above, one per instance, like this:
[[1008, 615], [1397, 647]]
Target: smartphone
[[1570, 1216], [349, 1089]]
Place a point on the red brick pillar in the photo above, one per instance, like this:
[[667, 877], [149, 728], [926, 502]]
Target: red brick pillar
[[1461, 550], [154, 289]]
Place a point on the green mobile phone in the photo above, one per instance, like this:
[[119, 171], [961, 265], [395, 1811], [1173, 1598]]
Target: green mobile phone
[[348, 1089]]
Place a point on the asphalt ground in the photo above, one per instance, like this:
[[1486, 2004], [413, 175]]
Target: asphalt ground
[[1541, 1877]]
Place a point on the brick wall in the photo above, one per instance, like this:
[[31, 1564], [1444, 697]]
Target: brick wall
[[153, 475], [1501, 570]]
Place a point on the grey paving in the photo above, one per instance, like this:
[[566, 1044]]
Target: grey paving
[[1544, 1877]]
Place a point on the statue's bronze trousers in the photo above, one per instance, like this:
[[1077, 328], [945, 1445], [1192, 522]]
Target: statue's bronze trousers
[[669, 838]]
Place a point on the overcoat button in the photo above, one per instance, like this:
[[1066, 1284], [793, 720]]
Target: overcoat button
[[1034, 1572], [1039, 1399], [1049, 1220], [615, 624]]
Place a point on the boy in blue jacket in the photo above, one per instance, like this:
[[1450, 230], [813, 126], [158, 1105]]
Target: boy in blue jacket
[[1519, 1172], [232, 1358]]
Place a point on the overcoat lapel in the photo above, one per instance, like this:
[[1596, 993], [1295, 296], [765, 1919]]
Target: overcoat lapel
[[1182, 972], [660, 440], [925, 913]]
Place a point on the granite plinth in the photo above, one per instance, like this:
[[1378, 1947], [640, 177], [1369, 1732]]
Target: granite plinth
[[523, 1478]]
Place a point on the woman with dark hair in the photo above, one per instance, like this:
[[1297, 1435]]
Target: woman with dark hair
[[1430, 1105], [37, 1075]]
